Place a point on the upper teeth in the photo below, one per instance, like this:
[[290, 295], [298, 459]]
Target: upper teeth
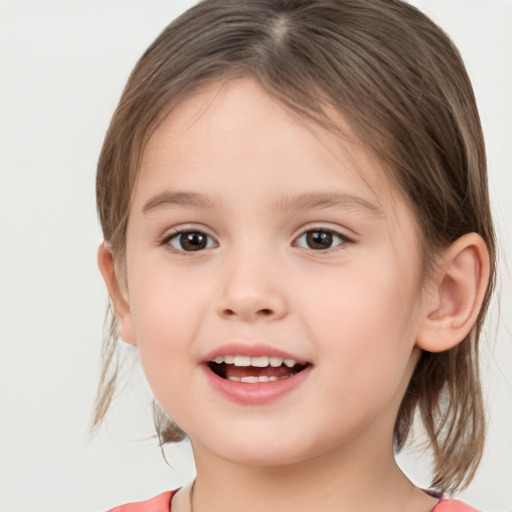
[[260, 362]]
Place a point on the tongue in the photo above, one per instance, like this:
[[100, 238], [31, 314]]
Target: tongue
[[250, 371]]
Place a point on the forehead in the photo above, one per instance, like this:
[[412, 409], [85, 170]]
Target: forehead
[[241, 120]]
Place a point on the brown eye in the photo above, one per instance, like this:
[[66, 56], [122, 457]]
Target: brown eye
[[319, 239], [190, 241]]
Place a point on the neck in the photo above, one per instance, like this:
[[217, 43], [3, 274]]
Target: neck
[[333, 481]]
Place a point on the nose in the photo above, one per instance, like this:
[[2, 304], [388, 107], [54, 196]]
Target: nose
[[251, 291]]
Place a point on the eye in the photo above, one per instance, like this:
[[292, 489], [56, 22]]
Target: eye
[[190, 241], [320, 239]]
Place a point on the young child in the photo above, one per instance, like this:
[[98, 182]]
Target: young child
[[298, 240]]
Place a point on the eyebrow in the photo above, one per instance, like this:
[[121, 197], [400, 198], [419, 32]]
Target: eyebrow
[[328, 200], [169, 199], [305, 201]]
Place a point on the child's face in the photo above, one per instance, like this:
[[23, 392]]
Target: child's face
[[288, 252]]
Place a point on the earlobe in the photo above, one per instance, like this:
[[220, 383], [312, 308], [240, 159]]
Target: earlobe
[[120, 303], [457, 293]]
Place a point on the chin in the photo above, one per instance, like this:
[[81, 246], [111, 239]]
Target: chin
[[265, 451]]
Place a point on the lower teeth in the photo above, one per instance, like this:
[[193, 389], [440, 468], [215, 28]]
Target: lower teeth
[[253, 380]]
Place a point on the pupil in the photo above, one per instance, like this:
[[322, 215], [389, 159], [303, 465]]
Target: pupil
[[193, 241], [319, 239]]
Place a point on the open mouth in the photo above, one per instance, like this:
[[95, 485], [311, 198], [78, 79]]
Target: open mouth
[[252, 370]]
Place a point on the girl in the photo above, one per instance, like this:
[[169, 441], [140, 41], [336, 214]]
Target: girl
[[298, 241]]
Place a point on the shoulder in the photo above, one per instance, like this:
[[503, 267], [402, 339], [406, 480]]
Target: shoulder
[[160, 503], [453, 506]]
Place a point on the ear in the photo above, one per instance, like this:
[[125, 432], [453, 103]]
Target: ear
[[455, 294], [119, 300]]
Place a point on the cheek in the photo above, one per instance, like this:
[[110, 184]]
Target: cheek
[[364, 325], [164, 297], [165, 321]]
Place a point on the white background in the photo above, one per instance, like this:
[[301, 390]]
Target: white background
[[63, 64]]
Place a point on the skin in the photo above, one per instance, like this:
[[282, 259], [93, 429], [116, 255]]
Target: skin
[[356, 312]]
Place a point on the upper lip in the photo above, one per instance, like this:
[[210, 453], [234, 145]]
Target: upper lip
[[251, 350]]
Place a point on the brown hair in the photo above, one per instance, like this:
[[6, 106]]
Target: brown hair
[[401, 83]]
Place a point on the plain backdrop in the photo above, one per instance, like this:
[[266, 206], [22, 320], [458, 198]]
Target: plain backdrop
[[63, 64]]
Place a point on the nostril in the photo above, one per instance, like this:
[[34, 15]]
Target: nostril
[[247, 313]]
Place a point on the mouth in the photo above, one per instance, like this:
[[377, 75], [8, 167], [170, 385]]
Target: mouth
[[253, 370]]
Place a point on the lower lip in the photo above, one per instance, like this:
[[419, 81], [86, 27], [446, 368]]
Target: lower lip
[[257, 393]]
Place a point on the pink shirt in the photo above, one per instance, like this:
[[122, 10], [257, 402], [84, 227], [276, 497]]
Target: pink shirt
[[162, 503]]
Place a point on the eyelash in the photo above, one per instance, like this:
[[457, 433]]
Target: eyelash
[[331, 235]]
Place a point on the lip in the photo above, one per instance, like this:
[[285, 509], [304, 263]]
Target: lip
[[259, 393]]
